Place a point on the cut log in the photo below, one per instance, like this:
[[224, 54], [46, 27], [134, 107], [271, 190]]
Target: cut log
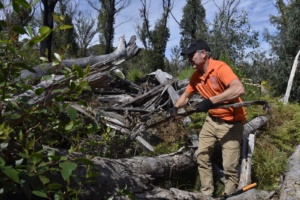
[[248, 148], [290, 188], [245, 170]]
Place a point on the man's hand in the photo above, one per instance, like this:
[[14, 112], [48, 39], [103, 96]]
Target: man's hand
[[171, 112], [204, 105]]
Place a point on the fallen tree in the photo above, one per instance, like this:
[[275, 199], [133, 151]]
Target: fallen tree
[[290, 188], [139, 175]]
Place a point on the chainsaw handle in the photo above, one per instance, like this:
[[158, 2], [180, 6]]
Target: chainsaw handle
[[249, 186]]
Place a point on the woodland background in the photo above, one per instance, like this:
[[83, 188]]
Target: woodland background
[[49, 31]]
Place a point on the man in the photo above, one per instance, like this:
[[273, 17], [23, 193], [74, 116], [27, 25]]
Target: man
[[216, 83]]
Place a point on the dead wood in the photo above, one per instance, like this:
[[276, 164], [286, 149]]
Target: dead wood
[[138, 175], [103, 62], [290, 188], [99, 73], [250, 129]]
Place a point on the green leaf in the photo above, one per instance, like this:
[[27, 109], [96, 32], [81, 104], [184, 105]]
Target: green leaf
[[19, 162], [57, 56], [63, 27], [36, 157], [44, 30], [15, 116], [3, 145], [56, 18], [72, 113], [67, 169], [54, 63], [39, 91], [45, 59], [79, 71], [69, 126], [2, 162], [72, 85], [71, 150], [44, 180], [30, 31], [23, 3], [59, 98], [57, 91], [11, 173], [85, 161], [19, 29], [40, 194], [16, 6], [54, 186]]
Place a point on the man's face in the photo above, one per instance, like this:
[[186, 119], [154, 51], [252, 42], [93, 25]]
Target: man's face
[[197, 59]]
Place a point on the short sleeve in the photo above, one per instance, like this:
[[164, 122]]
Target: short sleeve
[[225, 74], [191, 88]]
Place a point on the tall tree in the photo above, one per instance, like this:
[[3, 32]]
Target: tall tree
[[231, 31], [285, 44], [86, 30], [155, 41], [106, 20], [193, 23], [45, 48], [65, 40], [21, 15]]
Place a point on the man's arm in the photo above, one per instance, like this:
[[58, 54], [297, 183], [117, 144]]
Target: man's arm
[[183, 99], [235, 89]]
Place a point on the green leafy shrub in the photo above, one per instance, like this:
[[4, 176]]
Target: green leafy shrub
[[25, 166], [275, 144], [186, 73], [133, 74]]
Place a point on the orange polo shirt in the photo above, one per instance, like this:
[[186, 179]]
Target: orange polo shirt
[[216, 81]]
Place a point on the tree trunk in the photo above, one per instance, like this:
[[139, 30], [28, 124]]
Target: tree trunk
[[45, 49], [285, 99]]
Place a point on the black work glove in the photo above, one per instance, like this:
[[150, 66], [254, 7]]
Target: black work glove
[[204, 105], [171, 112]]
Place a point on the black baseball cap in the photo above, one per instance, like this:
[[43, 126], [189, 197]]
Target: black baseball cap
[[194, 46]]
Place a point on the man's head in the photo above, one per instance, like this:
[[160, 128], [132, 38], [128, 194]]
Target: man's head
[[199, 54]]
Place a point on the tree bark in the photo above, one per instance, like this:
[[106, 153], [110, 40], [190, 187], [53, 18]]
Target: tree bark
[[248, 148], [285, 99], [101, 63], [290, 188], [49, 6]]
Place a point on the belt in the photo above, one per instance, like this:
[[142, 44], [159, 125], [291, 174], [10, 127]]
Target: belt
[[221, 121]]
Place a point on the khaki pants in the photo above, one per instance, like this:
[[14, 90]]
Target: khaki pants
[[229, 135]]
